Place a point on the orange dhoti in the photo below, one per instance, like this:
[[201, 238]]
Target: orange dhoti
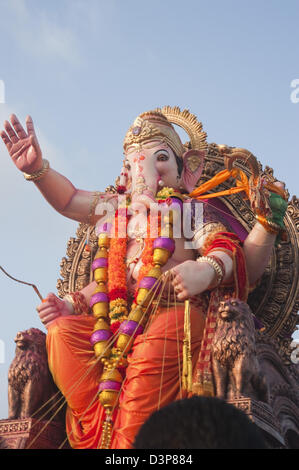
[[152, 376]]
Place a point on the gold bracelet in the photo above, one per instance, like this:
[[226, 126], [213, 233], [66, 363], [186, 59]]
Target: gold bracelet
[[38, 174], [269, 226], [216, 266], [68, 298]]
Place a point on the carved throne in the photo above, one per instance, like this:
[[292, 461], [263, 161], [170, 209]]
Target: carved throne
[[275, 301]]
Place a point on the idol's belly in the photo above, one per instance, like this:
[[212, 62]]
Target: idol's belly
[[134, 259]]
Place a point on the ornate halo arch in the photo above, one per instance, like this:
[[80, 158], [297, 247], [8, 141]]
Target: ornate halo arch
[[188, 122]]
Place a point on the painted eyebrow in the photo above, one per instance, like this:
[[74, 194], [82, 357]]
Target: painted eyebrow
[[161, 150]]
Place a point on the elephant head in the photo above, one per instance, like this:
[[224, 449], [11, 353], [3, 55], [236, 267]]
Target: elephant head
[[155, 158]]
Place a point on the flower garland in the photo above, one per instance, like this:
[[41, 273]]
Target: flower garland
[[117, 277], [109, 301]]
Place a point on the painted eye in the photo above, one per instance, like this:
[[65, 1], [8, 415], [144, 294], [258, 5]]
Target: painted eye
[[128, 166], [162, 157]]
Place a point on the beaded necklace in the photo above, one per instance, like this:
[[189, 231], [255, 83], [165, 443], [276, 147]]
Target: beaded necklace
[[116, 328]]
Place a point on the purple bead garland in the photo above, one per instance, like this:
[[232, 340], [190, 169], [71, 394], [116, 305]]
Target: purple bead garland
[[127, 327], [164, 242], [99, 263], [100, 335], [98, 297], [148, 282], [175, 202], [131, 328], [109, 385]]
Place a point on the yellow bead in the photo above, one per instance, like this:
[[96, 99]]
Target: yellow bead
[[109, 398], [168, 218], [160, 256], [172, 217], [143, 297], [101, 275], [100, 309], [167, 231], [102, 253], [137, 314], [101, 324], [124, 342], [103, 240], [102, 287], [113, 374], [101, 349], [155, 272]]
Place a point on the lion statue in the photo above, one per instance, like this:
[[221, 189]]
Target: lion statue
[[30, 384], [235, 365]]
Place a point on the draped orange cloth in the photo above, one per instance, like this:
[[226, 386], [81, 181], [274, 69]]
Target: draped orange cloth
[[152, 376]]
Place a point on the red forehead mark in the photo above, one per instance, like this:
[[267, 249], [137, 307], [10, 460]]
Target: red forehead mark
[[139, 158]]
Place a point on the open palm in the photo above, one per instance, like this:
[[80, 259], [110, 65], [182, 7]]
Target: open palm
[[23, 147]]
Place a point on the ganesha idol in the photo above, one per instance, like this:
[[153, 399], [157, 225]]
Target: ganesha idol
[[116, 348]]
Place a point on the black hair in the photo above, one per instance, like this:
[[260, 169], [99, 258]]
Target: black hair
[[199, 423]]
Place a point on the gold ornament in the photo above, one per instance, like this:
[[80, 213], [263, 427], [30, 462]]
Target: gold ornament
[[103, 240], [100, 275], [101, 349], [152, 126], [138, 315], [108, 398], [189, 123], [124, 342], [155, 272], [101, 324], [161, 256], [37, 175], [100, 309]]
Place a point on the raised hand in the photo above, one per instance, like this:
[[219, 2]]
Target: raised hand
[[23, 147]]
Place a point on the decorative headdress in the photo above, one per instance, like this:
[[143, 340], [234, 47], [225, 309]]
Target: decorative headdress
[[157, 125]]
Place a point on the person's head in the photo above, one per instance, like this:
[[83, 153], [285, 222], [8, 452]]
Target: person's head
[[155, 157], [199, 423]]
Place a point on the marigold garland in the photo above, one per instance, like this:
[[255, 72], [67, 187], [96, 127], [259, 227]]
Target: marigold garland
[[117, 275]]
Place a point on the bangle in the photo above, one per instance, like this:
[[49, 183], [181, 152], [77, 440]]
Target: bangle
[[78, 302], [216, 264], [69, 303], [38, 174], [271, 227]]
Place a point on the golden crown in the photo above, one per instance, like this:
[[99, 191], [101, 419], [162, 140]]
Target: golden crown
[[157, 125]]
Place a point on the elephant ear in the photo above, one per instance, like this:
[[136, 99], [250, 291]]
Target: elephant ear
[[193, 166]]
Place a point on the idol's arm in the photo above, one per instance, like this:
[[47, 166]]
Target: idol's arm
[[26, 154], [53, 307], [257, 250], [192, 277], [69, 201]]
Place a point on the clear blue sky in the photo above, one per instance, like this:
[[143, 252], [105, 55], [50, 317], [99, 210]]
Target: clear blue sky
[[85, 68]]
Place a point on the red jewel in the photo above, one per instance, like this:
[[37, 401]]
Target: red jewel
[[121, 189]]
